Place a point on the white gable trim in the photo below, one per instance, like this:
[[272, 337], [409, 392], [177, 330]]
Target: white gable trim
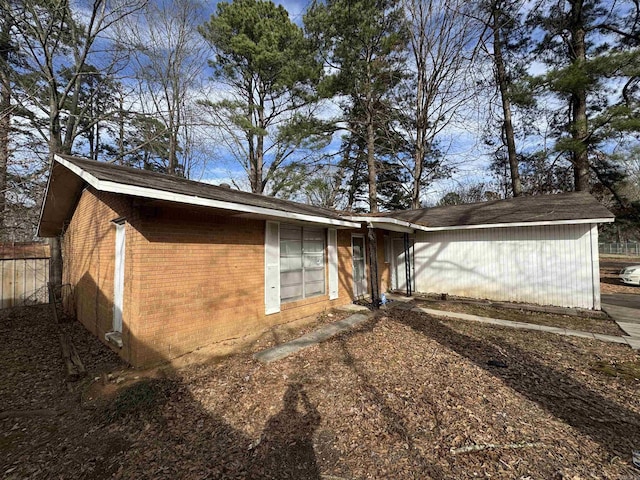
[[396, 225], [115, 187], [386, 223], [520, 224]]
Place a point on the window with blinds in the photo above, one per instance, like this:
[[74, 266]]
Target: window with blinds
[[302, 269]]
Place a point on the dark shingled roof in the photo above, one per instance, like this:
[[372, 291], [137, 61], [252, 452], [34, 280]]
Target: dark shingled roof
[[540, 208], [158, 181]]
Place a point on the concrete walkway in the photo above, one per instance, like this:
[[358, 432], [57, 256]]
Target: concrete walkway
[[633, 342], [628, 319], [327, 331], [624, 308], [312, 338]]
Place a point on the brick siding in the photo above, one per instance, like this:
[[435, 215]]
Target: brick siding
[[88, 253], [193, 276]]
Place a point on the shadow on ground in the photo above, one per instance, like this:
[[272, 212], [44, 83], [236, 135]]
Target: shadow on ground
[[185, 440], [614, 427], [151, 427]]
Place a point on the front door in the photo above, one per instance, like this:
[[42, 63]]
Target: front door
[[359, 263]]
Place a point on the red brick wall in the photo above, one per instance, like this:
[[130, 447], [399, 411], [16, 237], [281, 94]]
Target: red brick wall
[[88, 251], [193, 276], [200, 280]]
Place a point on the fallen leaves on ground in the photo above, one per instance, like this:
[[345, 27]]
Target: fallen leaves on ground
[[584, 323], [401, 396]]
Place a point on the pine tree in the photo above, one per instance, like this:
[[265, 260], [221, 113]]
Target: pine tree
[[57, 43], [364, 44], [593, 55], [270, 69]]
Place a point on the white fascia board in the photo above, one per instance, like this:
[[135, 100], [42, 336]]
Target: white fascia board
[[520, 224], [115, 187], [392, 224], [46, 192], [389, 223]]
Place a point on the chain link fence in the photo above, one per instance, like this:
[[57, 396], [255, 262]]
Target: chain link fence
[[629, 249]]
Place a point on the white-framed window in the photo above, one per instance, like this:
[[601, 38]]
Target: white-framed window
[[302, 262]]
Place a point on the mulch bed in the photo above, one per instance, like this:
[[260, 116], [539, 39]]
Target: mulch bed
[[584, 323], [392, 398]]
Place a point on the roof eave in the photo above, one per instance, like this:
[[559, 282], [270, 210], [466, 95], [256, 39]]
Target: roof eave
[[521, 224], [46, 193], [388, 223], [145, 192]]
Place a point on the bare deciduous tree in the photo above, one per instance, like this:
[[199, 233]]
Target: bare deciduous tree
[[169, 56], [441, 42], [57, 42]]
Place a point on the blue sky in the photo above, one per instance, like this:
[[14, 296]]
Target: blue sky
[[465, 154]]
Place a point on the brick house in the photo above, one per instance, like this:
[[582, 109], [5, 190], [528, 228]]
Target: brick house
[[160, 266]]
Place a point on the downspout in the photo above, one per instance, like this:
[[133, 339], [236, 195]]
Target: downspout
[[373, 265]]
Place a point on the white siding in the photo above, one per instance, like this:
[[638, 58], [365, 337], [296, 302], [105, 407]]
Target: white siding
[[595, 267], [550, 265]]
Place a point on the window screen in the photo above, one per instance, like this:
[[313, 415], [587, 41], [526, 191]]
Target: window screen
[[302, 269]]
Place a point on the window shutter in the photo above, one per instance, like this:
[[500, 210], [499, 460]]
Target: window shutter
[[272, 268], [332, 252], [118, 278]]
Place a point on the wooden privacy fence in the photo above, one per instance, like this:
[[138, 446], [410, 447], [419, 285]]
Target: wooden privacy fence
[[25, 274]]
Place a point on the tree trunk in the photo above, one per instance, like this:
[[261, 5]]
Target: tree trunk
[[371, 160], [417, 172], [5, 111], [173, 148], [260, 147], [5, 127], [55, 146], [579, 130], [420, 137], [121, 132], [253, 161], [501, 76]]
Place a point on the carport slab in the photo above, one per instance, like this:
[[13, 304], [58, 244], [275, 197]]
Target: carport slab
[[628, 319], [622, 314], [313, 338]]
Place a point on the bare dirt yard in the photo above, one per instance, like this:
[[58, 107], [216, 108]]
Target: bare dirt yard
[[403, 396]]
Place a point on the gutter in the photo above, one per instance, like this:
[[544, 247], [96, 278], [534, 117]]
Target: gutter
[[397, 225], [388, 223]]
